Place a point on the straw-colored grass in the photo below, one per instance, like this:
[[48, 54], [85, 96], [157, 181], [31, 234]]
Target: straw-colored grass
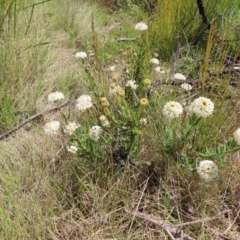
[[47, 193]]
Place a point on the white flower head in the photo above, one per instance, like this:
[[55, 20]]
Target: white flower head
[[154, 61], [207, 170], [95, 133], [160, 70], [112, 68], [186, 86], [72, 149], [84, 102], [236, 67], [51, 127], [143, 121], [202, 107], [81, 55], [104, 121], [113, 88], [71, 127], [55, 96], [141, 26], [132, 84], [172, 109], [236, 136], [179, 76]]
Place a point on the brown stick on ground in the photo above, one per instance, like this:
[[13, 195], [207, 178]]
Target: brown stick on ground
[[168, 228], [204, 219], [125, 39], [6, 134]]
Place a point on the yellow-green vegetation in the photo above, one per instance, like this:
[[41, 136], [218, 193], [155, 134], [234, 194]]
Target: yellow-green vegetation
[[178, 22], [119, 120]]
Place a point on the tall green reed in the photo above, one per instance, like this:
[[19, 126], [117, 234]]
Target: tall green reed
[[8, 14]]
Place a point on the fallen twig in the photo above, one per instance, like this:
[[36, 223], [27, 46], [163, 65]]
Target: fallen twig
[[125, 39], [168, 228], [6, 134], [202, 220]]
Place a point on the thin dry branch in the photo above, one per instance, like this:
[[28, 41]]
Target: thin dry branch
[[125, 39], [203, 220], [167, 227], [8, 133]]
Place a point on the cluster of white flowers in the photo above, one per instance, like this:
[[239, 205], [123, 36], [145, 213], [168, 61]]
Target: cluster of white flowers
[[132, 84], [160, 70], [95, 133], [141, 26], [72, 149], [202, 107], [113, 88], [104, 121], [55, 96], [179, 76], [71, 127], [81, 55], [154, 61], [207, 170], [84, 102], [236, 136], [186, 86], [172, 110], [51, 127]]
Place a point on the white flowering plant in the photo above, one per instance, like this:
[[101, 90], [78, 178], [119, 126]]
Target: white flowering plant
[[111, 122], [183, 130], [115, 114], [108, 131], [83, 142]]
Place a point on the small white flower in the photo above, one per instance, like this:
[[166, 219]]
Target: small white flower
[[95, 133], [202, 107], [81, 55], [71, 127], [154, 61], [236, 67], [141, 26], [236, 136], [51, 127], [207, 170], [172, 109], [143, 121], [179, 76], [160, 70], [186, 86], [55, 96], [132, 84], [112, 68], [72, 149], [104, 121], [113, 88], [84, 102]]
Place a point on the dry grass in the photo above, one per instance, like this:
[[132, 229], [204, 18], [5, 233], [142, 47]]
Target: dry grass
[[47, 193]]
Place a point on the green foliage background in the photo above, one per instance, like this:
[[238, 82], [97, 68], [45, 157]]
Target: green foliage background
[[47, 193]]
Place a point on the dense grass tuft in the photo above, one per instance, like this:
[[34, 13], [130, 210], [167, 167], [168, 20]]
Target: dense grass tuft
[[132, 160]]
